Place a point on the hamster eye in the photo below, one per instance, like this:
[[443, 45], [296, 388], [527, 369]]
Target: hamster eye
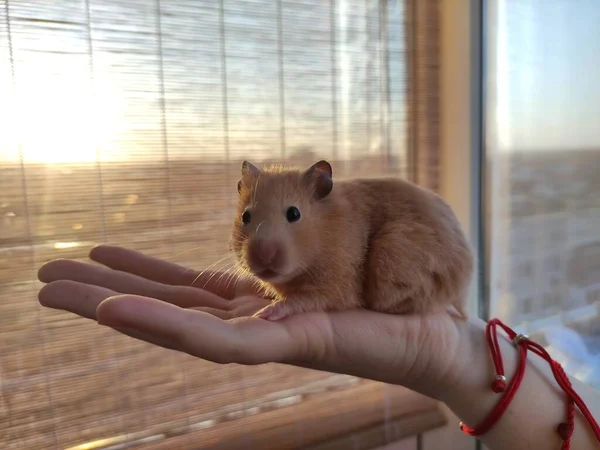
[[246, 217], [292, 214]]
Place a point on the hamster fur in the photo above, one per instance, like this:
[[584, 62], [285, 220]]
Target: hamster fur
[[315, 245]]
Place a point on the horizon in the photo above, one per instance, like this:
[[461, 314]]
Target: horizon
[[207, 160]]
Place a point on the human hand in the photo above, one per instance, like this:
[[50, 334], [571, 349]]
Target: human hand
[[154, 300]]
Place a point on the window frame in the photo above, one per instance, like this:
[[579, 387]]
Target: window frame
[[462, 106]]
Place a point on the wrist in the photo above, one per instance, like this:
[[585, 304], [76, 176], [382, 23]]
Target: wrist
[[539, 401], [469, 393]]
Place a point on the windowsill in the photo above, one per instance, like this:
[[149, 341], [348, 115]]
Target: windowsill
[[371, 413]]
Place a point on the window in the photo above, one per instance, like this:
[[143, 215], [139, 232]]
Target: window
[[126, 122], [543, 158]]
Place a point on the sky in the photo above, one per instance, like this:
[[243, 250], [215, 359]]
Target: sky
[[281, 95], [545, 68]]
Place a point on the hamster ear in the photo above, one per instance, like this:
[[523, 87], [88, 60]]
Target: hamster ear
[[320, 175], [249, 169]]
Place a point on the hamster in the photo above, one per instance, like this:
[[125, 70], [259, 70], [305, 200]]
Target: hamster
[[381, 244]]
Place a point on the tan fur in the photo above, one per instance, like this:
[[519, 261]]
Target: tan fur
[[382, 244]]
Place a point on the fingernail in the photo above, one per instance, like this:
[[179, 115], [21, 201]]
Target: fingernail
[[105, 319]]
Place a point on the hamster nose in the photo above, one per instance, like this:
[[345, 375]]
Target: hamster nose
[[264, 252]]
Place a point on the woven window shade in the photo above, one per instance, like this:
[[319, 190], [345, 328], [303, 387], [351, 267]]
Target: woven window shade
[[423, 64], [126, 122]]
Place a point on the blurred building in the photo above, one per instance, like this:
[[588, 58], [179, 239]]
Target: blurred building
[[548, 224]]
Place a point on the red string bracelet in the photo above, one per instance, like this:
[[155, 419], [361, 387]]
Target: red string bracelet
[[522, 342]]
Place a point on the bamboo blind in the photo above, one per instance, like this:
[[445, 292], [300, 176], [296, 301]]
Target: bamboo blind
[[125, 122]]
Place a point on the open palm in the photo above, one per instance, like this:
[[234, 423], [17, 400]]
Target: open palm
[[209, 316]]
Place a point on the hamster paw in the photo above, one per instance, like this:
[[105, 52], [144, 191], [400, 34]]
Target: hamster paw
[[274, 312]]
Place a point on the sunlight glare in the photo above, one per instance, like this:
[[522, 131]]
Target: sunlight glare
[[64, 245], [59, 118]]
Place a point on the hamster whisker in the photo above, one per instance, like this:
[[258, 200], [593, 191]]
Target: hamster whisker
[[258, 228], [235, 277], [220, 272], [209, 268], [255, 189], [232, 269], [238, 234], [170, 258]]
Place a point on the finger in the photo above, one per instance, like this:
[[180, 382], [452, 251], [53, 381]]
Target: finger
[[240, 307], [248, 305], [78, 298], [132, 261], [242, 341], [83, 300], [147, 338], [219, 282], [221, 314], [127, 283]]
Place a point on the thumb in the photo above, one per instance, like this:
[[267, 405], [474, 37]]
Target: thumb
[[244, 341]]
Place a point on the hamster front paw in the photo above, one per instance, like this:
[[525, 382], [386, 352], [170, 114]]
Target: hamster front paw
[[274, 311], [299, 304]]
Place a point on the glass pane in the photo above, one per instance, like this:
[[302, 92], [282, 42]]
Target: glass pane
[[543, 149]]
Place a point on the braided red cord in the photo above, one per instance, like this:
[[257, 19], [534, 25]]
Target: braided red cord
[[565, 429]]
